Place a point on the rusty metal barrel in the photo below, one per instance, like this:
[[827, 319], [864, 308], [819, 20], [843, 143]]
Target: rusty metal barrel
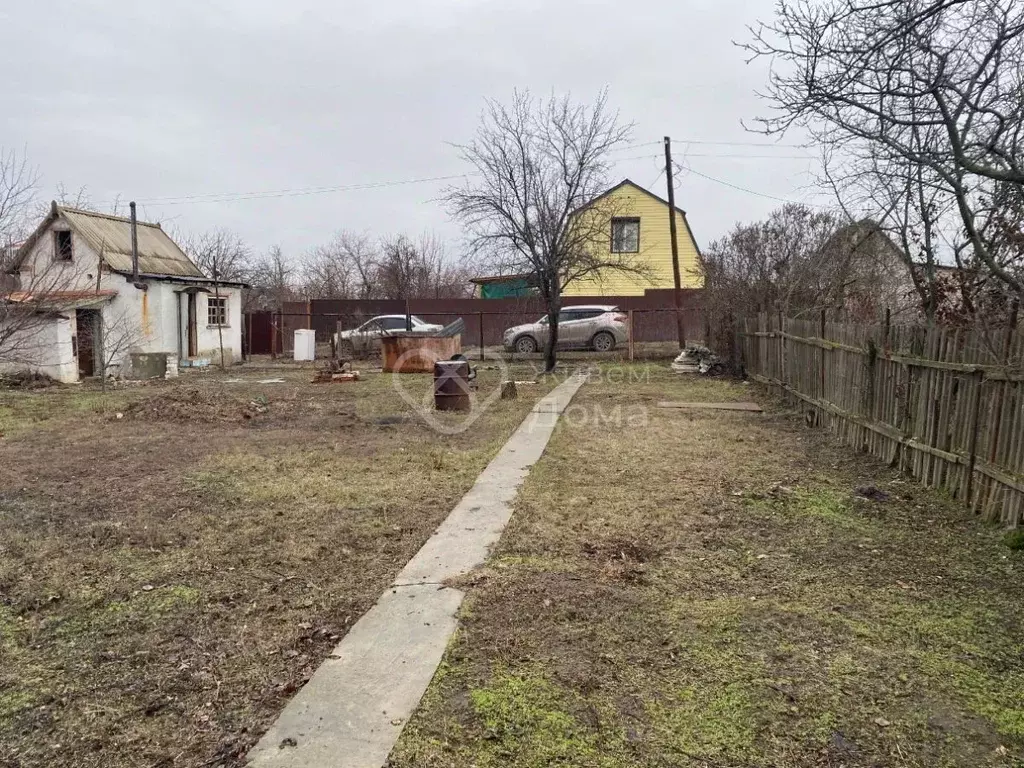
[[451, 385]]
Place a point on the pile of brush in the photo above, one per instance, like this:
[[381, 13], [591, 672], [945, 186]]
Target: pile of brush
[[333, 371], [698, 359]]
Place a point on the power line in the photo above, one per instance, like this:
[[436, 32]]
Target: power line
[[635, 157], [635, 146], [737, 187], [227, 197], [739, 143], [703, 142], [734, 156]]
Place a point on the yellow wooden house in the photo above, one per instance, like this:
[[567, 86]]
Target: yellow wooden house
[[638, 231]]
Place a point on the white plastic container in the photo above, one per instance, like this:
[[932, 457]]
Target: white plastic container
[[305, 345]]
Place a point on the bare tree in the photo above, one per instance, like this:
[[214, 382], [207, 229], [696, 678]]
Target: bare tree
[[352, 265], [399, 274], [339, 269], [539, 166], [18, 182], [220, 250], [80, 199], [900, 198], [364, 257], [783, 264], [272, 279], [445, 277], [409, 269], [115, 337], [892, 84], [800, 262], [27, 303]]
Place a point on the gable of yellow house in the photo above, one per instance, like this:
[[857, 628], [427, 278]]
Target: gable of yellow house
[[636, 226]]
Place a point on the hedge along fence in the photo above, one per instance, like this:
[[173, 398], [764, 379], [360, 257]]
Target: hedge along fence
[[945, 405]]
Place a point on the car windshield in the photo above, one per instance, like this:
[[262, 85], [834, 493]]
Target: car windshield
[[543, 320]]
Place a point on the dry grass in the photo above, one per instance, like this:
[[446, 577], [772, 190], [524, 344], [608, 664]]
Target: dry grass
[[710, 589], [177, 558]]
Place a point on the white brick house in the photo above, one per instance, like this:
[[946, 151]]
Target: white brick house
[[91, 306]]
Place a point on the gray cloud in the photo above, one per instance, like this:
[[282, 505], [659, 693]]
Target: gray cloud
[[153, 100]]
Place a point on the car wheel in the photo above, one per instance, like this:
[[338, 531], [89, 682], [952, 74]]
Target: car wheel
[[525, 345], [603, 342], [346, 348]]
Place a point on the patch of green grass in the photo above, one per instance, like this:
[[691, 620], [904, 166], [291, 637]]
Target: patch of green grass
[[708, 721], [823, 505], [8, 628], [827, 505], [527, 720], [14, 701], [319, 476], [996, 696], [76, 620], [1014, 540], [651, 381], [21, 412]]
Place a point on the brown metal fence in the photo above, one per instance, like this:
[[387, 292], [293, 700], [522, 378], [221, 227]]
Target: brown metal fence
[[485, 322], [945, 405], [652, 317]]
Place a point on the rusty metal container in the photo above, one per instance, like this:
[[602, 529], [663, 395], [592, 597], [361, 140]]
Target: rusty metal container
[[416, 352], [451, 385]]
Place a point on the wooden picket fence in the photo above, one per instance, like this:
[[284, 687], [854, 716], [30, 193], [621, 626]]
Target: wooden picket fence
[[945, 405]]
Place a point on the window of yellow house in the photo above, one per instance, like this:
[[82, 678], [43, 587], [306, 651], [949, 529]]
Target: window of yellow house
[[625, 235]]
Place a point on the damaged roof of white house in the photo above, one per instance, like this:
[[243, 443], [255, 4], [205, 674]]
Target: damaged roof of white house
[[111, 236]]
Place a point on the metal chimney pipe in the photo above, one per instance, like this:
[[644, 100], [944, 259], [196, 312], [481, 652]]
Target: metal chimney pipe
[[135, 244]]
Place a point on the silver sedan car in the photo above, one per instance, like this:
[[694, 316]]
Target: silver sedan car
[[592, 326], [366, 338]]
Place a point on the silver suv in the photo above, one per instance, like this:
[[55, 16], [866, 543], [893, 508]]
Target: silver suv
[[591, 326]]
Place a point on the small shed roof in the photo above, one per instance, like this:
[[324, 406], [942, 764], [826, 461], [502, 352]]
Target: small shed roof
[[528, 276], [111, 236], [59, 300]]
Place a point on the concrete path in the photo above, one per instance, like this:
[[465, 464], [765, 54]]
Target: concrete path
[[353, 709]]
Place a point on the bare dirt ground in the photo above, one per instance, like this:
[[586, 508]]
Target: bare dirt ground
[[724, 589], [178, 557]]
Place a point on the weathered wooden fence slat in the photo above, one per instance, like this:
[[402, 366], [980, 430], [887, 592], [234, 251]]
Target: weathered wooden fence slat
[[945, 405]]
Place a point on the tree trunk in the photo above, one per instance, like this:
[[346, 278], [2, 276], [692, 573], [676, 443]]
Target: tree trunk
[[553, 299], [550, 358]]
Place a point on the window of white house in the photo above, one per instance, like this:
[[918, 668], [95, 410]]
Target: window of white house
[[625, 235], [216, 310], [62, 245]]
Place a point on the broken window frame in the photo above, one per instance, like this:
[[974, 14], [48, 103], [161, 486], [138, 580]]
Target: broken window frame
[[63, 245]]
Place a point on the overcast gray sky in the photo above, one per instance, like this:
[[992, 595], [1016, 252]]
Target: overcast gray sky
[[153, 100]]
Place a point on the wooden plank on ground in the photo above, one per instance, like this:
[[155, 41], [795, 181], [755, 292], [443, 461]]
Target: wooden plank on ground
[[751, 407]]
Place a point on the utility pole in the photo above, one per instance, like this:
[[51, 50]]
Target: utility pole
[[680, 326]]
